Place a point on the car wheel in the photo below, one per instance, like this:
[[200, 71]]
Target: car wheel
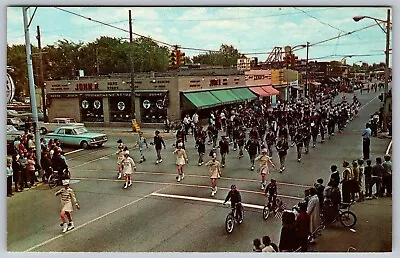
[[43, 130], [84, 144]]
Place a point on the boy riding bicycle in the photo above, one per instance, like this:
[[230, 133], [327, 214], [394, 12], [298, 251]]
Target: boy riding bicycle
[[271, 191], [235, 198]]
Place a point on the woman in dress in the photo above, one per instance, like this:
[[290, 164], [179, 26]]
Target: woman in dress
[[128, 167], [215, 172], [263, 169], [181, 160], [67, 197]]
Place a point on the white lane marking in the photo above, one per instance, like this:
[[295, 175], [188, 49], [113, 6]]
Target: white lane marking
[[88, 162], [199, 176], [181, 184], [388, 148], [65, 154], [191, 198], [367, 103], [91, 221]]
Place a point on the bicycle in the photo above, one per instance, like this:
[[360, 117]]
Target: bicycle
[[55, 178], [279, 207], [233, 217], [346, 217]]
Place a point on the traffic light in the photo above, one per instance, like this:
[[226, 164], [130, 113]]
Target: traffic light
[[173, 58], [293, 60], [286, 61], [181, 58]]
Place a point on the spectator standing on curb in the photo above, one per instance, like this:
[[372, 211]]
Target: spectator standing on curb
[[313, 210], [346, 182], [288, 240], [377, 174], [366, 140], [335, 177], [302, 227], [158, 141], [319, 187], [361, 182], [16, 166], [9, 178], [368, 180], [387, 176]]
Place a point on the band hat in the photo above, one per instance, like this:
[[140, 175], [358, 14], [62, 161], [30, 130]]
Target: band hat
[[65, 182]]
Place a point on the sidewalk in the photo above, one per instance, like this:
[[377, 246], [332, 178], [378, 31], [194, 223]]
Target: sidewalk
[[372, 232]]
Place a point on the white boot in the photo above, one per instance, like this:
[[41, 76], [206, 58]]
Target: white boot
[[182, 175], [125, 185], [71, 226], [178, 178], [65, 227], [119, 175], [212, 192], [130, 183]]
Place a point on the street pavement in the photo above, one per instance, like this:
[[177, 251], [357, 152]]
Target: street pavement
[[158, 214]]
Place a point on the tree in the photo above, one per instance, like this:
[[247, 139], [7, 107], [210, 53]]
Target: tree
[[16, 58], [226, 56]]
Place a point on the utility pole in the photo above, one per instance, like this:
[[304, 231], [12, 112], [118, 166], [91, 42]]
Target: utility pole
[[133, 94], [31, 83], [385, 111], [41, 76], [306, 90]]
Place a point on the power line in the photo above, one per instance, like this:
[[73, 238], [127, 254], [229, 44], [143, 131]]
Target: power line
[[112, 26], [230, 19], [324, 23]]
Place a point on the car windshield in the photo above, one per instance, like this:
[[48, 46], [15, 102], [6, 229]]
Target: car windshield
[[80, 130]]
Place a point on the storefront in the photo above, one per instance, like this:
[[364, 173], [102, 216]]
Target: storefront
[[153, 105]]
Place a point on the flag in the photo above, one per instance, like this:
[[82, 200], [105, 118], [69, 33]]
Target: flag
[[280, 210]]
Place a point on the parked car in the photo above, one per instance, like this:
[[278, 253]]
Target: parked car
[[77, 136], [57, 122], [12, 133], [16, 122]]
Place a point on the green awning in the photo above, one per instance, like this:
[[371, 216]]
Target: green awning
[[226, 96], [244, 93], [202, 99]]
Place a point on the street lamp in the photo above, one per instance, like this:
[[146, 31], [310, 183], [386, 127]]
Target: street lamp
[[387, 31]]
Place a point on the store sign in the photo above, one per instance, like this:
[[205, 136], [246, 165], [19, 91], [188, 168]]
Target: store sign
[[146, 104], [86, 86]]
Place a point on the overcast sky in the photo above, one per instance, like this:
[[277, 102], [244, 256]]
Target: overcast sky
[[250, 30]]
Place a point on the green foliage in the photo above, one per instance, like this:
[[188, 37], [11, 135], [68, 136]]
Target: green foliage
[[104, 56], [226, 56]]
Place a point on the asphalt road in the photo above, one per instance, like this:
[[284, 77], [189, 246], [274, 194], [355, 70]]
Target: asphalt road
[[158, 214]]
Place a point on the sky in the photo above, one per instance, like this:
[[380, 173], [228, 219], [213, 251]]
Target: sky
[[254, 31]]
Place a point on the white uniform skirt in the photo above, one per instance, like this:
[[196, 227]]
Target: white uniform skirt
[[180, 161]]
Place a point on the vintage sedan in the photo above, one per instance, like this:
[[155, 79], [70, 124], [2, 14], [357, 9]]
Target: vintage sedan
[[78, 136], [57, 122]]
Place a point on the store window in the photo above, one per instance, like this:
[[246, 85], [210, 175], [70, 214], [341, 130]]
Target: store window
[[153, 108], [120, 109], [91, 109]]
